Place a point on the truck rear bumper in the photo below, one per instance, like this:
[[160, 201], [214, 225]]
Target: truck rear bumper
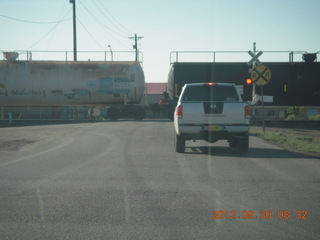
[[194, 129], [213, 133]]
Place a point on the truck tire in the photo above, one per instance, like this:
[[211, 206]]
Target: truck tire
[[243, 144], [180, 144]]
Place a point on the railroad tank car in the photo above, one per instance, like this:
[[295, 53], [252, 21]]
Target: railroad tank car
[[70, 83]]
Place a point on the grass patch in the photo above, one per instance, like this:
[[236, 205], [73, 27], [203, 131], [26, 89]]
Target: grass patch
[[293, 141]]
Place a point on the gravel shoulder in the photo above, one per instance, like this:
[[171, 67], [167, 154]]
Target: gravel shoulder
[[312, 132]]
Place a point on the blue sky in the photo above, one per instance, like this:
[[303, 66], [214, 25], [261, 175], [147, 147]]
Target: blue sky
[[166, 26]]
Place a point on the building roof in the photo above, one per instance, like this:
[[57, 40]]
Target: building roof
[[155, 88]]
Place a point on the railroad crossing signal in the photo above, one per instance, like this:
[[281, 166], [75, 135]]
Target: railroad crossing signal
[[261, 75]]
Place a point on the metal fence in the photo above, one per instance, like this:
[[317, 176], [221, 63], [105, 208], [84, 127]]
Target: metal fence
[[61, 113], [47, 113], [67, 56], [240, 56]]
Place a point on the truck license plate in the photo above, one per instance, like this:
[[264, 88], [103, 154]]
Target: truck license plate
[[213, 128]]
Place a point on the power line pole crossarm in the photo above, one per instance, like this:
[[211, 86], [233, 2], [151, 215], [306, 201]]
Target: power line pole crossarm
[[135, 46]]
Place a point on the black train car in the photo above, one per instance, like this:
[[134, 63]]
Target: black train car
[[292, 83]]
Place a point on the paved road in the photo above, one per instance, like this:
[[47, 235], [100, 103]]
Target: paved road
[[123, 180]]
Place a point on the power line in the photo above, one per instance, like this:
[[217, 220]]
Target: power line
[[114, 22], [50, 30], [26, 21], [108, 19], [104, 27], [90, 34], [60, 15], [102, 24]]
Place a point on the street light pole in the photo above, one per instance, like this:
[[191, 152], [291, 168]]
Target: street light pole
[[74, 30], [111, 52]]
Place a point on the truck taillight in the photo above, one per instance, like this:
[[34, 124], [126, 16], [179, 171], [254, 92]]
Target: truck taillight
[[247, 112], [179, 111], [161, 102]]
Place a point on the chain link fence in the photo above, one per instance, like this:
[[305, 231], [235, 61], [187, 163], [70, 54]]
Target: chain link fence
[[271, 113], [284, 113]]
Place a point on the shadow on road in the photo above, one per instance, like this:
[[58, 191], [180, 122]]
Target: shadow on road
[[252, 153]]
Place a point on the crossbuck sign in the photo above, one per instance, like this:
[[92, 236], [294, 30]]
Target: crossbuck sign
[[261, 75], [255, 58]]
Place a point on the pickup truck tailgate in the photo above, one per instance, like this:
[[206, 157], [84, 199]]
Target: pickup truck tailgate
[[208, 113]]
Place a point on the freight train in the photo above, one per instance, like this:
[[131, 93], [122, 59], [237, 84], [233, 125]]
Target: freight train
[[119, 84], [293, 83]]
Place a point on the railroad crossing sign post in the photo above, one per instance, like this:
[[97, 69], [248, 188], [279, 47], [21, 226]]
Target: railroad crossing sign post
[[260, 76]]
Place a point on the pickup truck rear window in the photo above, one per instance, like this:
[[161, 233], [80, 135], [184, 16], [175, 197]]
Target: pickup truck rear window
[[210, 93]]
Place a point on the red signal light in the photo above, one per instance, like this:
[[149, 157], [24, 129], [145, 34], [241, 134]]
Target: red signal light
[[210, 83], [249, 81]]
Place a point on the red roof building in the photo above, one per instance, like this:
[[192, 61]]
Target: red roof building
[[153, 92], [155, 88]]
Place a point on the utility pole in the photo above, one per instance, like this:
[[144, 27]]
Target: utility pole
[[74, 30], [135, 46]]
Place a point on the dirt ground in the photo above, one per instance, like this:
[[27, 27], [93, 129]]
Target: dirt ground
[[14, 137], [308, 132]]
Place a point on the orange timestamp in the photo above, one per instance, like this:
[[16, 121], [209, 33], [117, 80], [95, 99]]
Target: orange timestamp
[[264, 214]]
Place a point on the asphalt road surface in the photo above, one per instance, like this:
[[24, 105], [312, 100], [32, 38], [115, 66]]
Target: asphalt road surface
[[123, 180]]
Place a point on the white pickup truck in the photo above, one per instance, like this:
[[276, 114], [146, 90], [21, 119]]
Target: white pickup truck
[[211, 112]]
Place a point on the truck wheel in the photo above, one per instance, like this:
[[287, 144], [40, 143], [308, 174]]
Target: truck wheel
[[113, 114], [243, 144], [180, 144]]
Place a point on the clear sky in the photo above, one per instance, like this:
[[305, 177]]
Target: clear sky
[[166, 26]]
